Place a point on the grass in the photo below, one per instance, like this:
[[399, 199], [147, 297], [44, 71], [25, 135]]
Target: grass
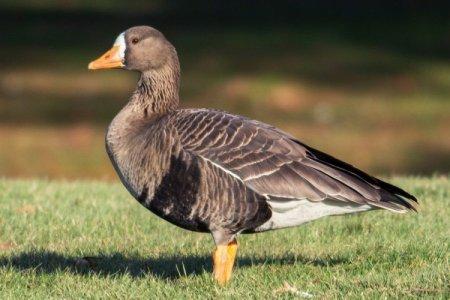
[[47, 226], [375, 95]]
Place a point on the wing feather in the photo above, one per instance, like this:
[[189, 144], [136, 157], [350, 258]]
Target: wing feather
[[275, 164]]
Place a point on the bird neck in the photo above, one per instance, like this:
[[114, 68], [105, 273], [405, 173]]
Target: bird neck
[[157, 90]]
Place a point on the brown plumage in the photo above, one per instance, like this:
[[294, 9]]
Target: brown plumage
[[210, 171]]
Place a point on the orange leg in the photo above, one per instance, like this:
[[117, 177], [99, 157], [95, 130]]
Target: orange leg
[[223, 261]]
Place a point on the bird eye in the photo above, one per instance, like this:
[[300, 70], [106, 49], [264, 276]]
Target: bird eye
[[135, 40]]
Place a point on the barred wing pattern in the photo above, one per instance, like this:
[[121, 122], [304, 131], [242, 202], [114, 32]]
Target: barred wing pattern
[[276, 165]]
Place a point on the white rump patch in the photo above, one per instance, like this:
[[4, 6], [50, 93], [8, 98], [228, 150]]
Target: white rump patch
[[295, 212], [120, 41]]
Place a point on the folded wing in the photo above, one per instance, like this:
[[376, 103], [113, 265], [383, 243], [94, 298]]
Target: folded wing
[[276, 165]]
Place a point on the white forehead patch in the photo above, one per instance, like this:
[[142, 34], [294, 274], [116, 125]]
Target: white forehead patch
[[120, 41]]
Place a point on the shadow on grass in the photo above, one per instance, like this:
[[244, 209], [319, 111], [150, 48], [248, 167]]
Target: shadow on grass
[[165, 267]]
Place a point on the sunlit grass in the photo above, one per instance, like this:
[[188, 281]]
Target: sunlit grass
[[47, 226]]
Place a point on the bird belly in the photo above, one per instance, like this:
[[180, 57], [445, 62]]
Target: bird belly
[[296, 212]]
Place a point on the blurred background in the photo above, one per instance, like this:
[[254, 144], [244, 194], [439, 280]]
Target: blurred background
[[368, 83]]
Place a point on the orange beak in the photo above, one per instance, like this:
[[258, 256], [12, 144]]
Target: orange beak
[[109, 60]]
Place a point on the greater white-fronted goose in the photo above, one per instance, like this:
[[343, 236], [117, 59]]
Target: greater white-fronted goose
[[211, 171]]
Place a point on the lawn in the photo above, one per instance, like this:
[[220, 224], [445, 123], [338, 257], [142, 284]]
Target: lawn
[[46, 227], [375, 95]]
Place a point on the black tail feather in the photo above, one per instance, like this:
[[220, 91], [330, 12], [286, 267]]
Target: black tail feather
[[396, 196]]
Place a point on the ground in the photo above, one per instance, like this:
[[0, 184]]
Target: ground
[[47, 227]]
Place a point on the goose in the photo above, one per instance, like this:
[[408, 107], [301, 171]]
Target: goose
[[210, 171]]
